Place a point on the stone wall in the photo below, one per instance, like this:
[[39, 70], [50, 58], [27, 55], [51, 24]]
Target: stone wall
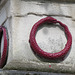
[[18, 16]]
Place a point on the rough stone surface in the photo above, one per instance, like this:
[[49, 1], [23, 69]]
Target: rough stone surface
[[19, 16], [16, 72], [38, 8]]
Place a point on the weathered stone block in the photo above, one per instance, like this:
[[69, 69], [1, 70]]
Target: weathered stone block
[[19, 17]]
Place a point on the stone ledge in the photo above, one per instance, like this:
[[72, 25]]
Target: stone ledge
[[16, 72], [52, 0]]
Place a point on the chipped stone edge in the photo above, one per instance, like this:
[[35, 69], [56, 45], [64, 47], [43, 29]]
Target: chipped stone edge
[[28, 65]]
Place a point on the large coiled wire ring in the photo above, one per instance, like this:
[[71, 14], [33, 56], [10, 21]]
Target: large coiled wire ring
[[39, 51]]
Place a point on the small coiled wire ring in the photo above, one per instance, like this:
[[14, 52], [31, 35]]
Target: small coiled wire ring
[[3, 59]]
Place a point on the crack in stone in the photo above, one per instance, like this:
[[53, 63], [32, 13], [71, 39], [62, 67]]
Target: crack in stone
[[37, 14], [47, 15]]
